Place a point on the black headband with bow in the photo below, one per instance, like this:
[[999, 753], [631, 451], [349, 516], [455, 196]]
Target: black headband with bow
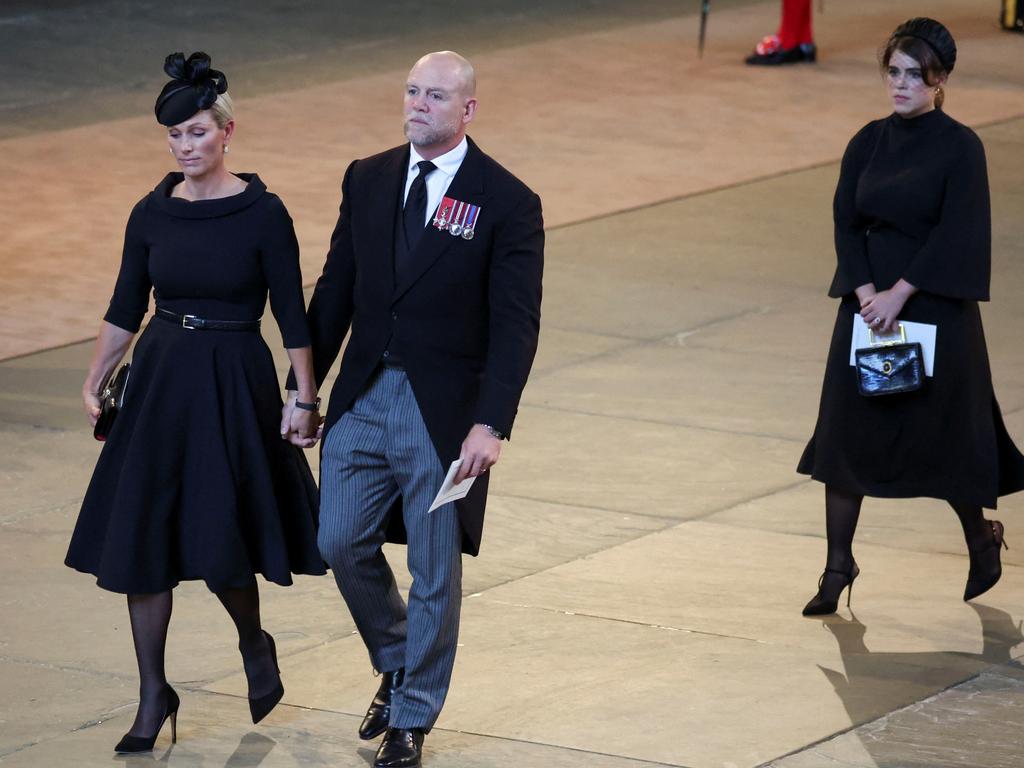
[[194, 87]]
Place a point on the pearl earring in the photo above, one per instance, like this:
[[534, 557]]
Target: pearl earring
[[226, 149]]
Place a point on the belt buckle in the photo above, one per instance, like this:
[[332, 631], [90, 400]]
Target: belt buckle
[[196, 322]]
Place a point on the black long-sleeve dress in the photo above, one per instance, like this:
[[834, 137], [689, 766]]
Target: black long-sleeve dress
[[194, 480], [913, 202]]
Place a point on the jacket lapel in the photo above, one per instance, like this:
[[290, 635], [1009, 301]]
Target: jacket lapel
[[468, 187], [384, 202]]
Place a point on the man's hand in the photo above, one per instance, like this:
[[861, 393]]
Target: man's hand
[[480, 452]]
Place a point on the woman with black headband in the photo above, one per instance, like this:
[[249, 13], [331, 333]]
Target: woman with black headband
[[195, 479], [913, 242]]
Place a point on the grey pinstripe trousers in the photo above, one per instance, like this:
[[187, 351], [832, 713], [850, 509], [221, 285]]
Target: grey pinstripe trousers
[[378, 450]]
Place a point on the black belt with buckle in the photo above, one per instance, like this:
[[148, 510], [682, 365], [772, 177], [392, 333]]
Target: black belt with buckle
[[193, 323]]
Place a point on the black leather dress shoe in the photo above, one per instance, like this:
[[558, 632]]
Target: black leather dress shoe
[[376, 720], [401, 748], [805, 52]]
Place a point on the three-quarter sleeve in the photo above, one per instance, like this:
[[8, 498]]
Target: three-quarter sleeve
[[852, 267], [130, 300], [956, 259], [279, 256]]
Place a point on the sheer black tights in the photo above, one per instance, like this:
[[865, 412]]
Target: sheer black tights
[[150, 615], [842, 511], [243, 605], [977, 530]]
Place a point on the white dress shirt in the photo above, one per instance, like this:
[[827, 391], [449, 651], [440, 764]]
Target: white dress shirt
[[438, 181]]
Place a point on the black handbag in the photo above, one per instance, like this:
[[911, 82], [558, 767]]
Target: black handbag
[[890, 367], [111, 400]]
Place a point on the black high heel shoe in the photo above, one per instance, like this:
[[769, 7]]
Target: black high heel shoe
[[129, 744], [986, 567], [822, 606], [261, 706]]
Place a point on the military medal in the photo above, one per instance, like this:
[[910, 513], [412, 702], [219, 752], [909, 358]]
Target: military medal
[[458, 216], [470, 225], [441, 219]]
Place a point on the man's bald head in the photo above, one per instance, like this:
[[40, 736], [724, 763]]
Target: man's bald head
[[454, 68], [440, 101]]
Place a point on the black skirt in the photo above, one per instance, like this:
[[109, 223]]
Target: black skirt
[[194, 481], [946, 440]]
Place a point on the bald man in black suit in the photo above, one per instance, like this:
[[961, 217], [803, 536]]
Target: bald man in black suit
[[435, 267]]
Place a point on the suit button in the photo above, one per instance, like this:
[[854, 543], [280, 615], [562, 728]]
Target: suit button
[[386, 354], [394, 315]]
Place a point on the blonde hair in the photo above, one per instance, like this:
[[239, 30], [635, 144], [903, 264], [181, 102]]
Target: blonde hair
[[223, 110]]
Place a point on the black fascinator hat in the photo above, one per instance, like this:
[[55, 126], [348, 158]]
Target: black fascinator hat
[[194, 86], [935, 35]]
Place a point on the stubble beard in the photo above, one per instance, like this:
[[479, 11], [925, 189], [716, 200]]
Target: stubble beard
[[426, 136]]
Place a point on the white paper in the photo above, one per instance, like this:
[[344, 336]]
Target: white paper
[[449, 490], [922, 333]]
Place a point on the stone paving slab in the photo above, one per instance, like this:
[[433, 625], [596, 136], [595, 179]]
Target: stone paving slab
[[593, 682], [724, 580], [931, 733], [214, 731]]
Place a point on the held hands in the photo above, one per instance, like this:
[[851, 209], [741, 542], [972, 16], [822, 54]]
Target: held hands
[[881, 310], [300, 427], [480, 452]]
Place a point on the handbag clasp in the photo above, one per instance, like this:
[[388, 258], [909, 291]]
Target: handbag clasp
[[901, 340]]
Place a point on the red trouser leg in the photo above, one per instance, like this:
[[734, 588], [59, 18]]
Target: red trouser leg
[[795, 27]]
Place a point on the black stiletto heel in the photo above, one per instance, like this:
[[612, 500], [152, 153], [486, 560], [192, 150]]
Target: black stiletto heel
[[821, 606], [261, 706], [130, 744], [986, 567]]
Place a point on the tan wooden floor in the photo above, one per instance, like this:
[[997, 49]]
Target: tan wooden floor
[[648, 546]]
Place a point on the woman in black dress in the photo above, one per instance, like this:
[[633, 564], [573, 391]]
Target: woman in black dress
[[196, 479], [913, 241]]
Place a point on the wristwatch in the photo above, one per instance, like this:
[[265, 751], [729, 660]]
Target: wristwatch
[[314, 406], [493, 432]]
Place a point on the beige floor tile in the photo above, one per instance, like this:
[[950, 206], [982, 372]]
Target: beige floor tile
[[641, 467], [42, 469], [43, 700], [560, 348], [729, 581], [214, 731], [525, 536], [931, 733], [600, 280], [589, 683], [916, 525], [706, 389]]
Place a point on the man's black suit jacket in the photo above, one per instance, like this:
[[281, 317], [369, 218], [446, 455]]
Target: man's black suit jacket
[[466, 316]]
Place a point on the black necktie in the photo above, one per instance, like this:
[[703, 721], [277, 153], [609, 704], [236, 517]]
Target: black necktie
[[415, 212]]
